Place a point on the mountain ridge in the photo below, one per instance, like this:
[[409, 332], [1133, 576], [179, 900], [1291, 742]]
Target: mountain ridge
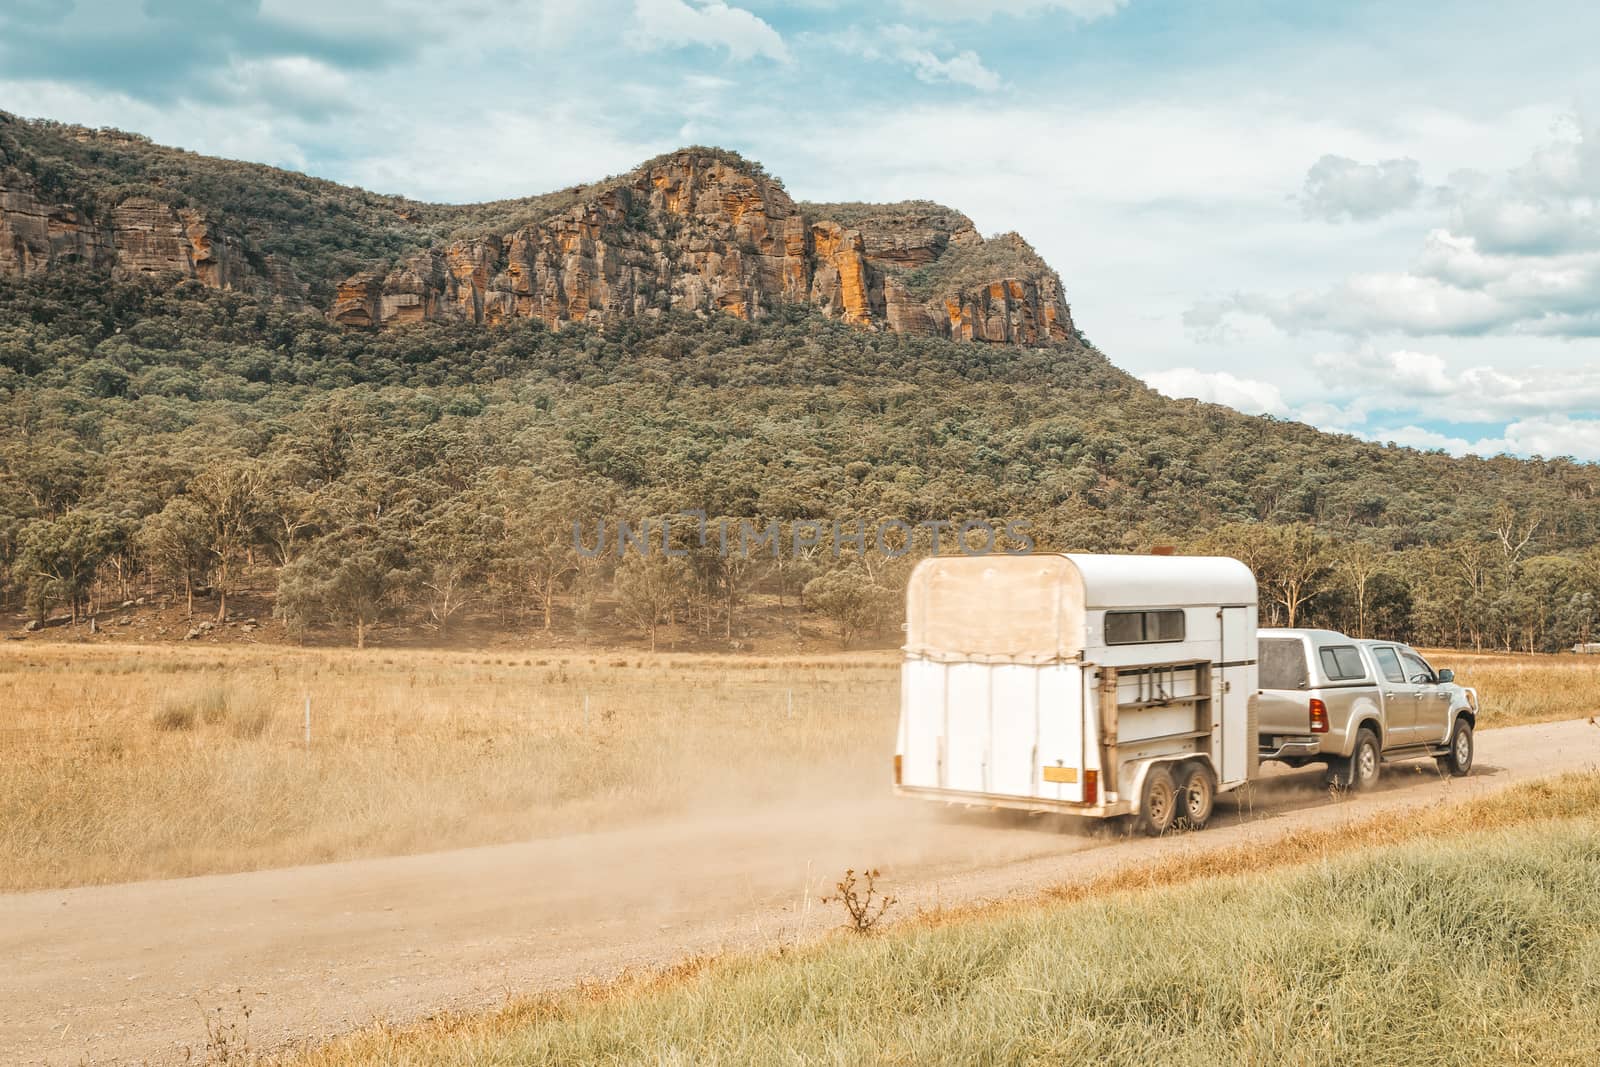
[[698, 229]]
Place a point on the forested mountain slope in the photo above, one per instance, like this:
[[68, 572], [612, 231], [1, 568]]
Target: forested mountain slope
[[173, 430]]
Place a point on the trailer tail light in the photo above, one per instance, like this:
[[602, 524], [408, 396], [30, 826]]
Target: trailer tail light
[[897, 768], [1091, 787], [1319, 716]]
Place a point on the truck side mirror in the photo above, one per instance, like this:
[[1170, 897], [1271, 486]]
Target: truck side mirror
[[1446, 676]]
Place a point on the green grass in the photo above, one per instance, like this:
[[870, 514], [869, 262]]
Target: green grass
[[1466, 949]]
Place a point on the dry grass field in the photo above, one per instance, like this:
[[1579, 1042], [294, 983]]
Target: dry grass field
[[122, 762], [1519, 688]]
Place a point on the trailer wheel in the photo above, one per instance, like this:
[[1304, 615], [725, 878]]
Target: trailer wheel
[[1158, 801], [1197, 796], [1459, 761]]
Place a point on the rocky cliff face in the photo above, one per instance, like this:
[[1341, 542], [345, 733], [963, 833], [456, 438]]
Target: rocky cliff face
[[698, 230], [139, 237], [35, 236], [693, 232]]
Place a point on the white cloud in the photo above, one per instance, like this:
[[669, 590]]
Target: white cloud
[[1554, 435], [1454, 290], [964, 68], [1339, 188], [1411, 374], [1413, 399], [1431, 440], [1548, 436], [299, 84], [1548, 205], [1521, 256], [530, 150], [710, 23], [983, 10], [1219, 387], [918, 49], [1364, 304], [215, 130], [1368, 380]]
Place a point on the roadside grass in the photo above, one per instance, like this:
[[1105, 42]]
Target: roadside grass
[[1469, 934], [121, 763]]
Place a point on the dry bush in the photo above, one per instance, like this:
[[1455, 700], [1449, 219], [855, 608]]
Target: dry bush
[[227, 1039], [174, 715], [862, 902], [240, 714]]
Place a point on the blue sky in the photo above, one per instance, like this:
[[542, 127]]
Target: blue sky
[[1379, 218]]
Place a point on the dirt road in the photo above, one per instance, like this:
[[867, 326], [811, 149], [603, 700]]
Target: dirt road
[[126, 973]]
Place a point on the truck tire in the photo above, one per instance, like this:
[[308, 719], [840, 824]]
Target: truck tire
[[1366, 761], [1361, 770], [1197, 796], [1458, 761], [1158, 801]]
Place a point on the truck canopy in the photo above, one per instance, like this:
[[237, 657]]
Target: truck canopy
[[1035, 609]]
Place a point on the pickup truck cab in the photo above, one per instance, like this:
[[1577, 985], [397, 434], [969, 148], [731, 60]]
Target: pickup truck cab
[[1354, 704]]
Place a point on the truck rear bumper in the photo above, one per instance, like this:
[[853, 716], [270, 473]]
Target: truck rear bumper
[[1292, 748], [1000, 800]]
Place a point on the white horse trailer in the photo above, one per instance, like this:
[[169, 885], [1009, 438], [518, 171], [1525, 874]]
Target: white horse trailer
[[1094, 685]]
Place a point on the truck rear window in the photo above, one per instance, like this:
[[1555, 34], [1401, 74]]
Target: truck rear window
[[1342, 663], [1283, 663]]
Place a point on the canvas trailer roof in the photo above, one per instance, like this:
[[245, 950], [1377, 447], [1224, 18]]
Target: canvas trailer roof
[[1033, 609]]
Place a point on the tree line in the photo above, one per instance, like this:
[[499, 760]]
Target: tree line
[[174, 439]]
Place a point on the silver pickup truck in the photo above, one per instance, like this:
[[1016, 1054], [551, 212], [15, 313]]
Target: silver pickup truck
[[1353, 704]]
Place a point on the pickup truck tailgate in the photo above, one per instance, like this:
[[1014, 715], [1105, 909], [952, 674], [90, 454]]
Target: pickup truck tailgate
[[1285, 705], [1284, 714]]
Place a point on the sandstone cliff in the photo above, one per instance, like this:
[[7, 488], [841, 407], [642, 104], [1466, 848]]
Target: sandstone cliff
[[695, 232], [139, 236], [699, 230]]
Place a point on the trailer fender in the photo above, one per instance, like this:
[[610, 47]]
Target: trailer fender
[[1135, 772]]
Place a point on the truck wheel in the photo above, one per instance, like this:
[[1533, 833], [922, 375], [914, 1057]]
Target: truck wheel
[[1158, 801], [1366, 762], [1197, 796], [1361, 770], [1458, 762]]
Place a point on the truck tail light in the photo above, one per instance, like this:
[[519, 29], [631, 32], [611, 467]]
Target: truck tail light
[[1091, 787], [897, 768], [1319, 716]]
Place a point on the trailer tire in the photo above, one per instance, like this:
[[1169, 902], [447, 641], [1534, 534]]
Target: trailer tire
[[1197, 796], [1458, 761], [1158, 801]]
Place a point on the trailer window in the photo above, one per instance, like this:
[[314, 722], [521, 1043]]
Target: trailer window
[[1342, 663], [1143, 627], [1283, 663]]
